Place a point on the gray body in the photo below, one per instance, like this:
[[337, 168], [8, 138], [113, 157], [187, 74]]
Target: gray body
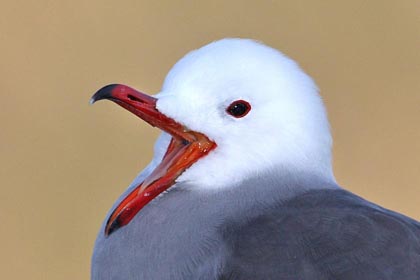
[[262, 229]]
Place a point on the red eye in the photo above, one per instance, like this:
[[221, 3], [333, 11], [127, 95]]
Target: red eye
[[239, 108]]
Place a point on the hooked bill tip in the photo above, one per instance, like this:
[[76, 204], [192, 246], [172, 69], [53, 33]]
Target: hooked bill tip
[[103, 93], [91, 101], [113, 227]]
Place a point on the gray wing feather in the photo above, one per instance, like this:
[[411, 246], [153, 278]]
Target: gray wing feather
[[325, 234]]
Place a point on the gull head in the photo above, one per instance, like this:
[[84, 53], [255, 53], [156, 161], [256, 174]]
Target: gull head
[[281, 122], [232, 110]]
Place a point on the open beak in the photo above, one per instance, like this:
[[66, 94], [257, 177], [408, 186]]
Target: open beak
[[185, 148]]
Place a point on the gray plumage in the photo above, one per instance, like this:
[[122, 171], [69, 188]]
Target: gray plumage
[[263, 229]]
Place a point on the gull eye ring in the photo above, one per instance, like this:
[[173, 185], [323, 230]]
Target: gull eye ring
[[238, 108]]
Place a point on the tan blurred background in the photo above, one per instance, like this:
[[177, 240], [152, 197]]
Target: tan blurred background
[[63, 162]]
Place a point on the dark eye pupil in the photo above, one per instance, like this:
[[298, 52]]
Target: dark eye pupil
[[239, 108]]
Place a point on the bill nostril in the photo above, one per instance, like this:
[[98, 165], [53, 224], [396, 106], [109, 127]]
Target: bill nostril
[[134, 98]]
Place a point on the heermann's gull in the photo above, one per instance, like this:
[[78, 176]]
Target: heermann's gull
[[241, 185]]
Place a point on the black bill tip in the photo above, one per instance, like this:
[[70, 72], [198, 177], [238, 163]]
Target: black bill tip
[[103, 93], [109, 229]]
